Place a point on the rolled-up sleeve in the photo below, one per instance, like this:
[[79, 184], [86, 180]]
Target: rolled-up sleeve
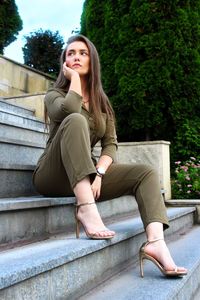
[[109, 140], [59, 104]]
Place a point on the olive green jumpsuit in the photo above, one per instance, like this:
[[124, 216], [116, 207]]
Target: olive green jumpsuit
[[68, 158]]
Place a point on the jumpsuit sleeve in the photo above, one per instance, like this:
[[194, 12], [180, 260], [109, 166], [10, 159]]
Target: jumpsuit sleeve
[[109, 140], [59, 105]]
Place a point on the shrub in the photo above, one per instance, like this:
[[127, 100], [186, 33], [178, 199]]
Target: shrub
[[186, 181]]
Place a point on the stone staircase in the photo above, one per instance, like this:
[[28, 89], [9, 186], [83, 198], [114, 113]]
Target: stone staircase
[[22, 139], [40, 258]]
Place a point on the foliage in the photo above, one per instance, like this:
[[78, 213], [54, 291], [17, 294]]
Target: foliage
[[150, 56], [10, 23], [42, 51], [187, 138], [186, 182]]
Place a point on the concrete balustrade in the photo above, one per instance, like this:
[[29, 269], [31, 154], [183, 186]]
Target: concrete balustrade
[[17, 79], [154, 153]]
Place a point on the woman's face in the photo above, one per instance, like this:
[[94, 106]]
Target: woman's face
[[78, 58]]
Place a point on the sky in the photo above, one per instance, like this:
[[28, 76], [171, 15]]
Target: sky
[[55, 15]]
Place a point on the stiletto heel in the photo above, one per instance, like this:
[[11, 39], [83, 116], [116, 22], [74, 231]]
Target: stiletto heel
[[141, 265], [89, 235], [77, 228], [143, 255]]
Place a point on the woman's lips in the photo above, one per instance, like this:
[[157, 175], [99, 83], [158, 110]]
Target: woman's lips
[[76, 66]]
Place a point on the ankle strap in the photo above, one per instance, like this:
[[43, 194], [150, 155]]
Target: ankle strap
[[153, 241], [82, 204]]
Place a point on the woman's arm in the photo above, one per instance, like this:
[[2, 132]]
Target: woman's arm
[[74, 78], [59, 104], [109, 140], [108, 155], [104, 162]]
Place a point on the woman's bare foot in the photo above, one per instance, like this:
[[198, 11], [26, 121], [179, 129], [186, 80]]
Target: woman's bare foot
[[160, 252], [92, 222]]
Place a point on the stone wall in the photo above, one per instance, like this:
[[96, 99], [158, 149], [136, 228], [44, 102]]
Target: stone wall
[[18, 79], [155, 153]]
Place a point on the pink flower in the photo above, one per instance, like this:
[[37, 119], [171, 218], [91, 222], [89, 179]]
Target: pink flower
[[189, 185], [187, 178], [178, 162], [188, 192], [192, 158], [184, 168]]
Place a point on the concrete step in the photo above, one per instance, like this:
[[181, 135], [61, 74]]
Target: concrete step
[[22, 140], [19, 152], [129, 285], [20, 119], [22, 131], [20, 149], [18, 124], [36, 218], [66, 268], [17, 109], [16, 179], [33, 101]]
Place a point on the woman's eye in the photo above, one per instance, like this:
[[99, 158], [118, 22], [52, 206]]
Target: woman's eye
[[84, 53]]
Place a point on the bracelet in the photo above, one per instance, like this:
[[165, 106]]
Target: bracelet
[[100, 171], [98, 174]]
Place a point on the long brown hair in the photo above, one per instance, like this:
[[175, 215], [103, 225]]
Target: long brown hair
[[99, 101]]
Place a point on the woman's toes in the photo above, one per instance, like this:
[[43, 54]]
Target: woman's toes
[[181, 269]]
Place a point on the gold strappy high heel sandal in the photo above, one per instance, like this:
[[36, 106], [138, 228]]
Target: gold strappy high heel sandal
[[143, 255], [93, 236]]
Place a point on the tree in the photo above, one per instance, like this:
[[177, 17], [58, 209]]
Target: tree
[[42, 51], [10, 23], [150, 49]]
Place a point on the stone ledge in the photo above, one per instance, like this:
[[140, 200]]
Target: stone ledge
[[145, 143], [8, 204], [183, 202], [187, 203]]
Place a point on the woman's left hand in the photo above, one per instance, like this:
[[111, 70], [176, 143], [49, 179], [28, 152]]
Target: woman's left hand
[[96, 187]]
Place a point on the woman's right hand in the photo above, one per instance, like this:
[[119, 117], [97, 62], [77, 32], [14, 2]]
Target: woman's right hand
[[68, 72], [74, 77]]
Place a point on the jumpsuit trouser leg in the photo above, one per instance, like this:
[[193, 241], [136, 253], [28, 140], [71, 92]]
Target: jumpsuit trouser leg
[[139, 180], [68, 160]]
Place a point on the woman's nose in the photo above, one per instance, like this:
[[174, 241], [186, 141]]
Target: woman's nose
[[76, 57]]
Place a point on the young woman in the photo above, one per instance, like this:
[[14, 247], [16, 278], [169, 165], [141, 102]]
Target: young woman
[[80, 115]]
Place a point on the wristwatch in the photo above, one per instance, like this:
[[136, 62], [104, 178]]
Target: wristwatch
[[100, 171]]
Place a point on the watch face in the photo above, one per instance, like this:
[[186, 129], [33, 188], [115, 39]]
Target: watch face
[[101, 171]]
